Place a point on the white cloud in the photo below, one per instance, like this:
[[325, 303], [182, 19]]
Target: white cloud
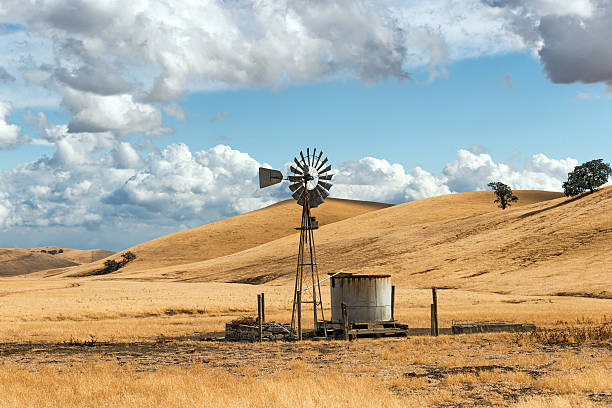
[[470, 171], [126, 157], [9, 133], [119, 113], [93, 182], [375, 179], [183, 186], [156, 50]]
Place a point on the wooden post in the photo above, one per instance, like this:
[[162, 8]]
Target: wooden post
[[432, 330], [299, 315], [393, 303], [345, 321], [259, 317], [263, 308], [435, 310]]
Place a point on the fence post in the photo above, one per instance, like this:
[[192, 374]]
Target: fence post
[[345, 321], [432, 330], [263, 308], [393, 303], [435, 311], [259, 317]]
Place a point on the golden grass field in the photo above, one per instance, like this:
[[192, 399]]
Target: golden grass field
[[134, 337]]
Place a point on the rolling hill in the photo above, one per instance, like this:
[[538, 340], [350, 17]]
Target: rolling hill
[[234, 234], [20, 261], [458, 240]]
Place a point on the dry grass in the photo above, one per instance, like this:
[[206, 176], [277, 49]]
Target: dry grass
[[111, 385], [307, 374], [56, 309], [569, 335]]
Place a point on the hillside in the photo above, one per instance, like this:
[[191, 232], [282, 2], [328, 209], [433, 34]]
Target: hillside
[[263, 261], [19, 261], [561, 246], [235, 234], [558, 246]]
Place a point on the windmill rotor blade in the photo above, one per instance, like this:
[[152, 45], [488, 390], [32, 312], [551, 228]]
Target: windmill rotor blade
[[318, 158], [295, 186], [300, 166], [322, 164], [325, 185], [294, 170], [300, 200], [298, 192], [326, 177], [322, 192], [269, 177], [315, 198], [314, 153], [296, 179], [303, 161], [308, 156], [325, 170]]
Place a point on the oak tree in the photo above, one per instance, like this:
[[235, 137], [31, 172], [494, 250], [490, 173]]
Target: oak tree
[[587, 176], [503, 194]]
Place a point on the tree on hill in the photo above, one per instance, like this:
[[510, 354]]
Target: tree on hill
[[110, 265], [587, 176], [128, 256], [503, 194]]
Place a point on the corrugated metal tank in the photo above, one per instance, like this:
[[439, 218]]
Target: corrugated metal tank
[[367, 297]]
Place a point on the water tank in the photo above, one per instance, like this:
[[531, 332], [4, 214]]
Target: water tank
[[367, 297]]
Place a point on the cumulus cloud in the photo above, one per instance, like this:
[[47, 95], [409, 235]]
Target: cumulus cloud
[[471, 171], [92, 182], [375, 179], [154, 50], [9, 133], [569, 37], [378, 180], [119, 113], [184, 186]]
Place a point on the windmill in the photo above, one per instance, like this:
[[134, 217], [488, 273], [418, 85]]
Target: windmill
[[310, 185]]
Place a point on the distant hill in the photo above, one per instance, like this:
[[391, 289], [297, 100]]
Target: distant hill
[[20, 261]]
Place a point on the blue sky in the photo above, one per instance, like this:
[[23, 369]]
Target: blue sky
[[109, 121]]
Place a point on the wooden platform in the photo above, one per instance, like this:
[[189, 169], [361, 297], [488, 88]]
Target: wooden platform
[[365, 329]]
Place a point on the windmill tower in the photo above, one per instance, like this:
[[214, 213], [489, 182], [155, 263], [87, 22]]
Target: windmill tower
[[310, 184]]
